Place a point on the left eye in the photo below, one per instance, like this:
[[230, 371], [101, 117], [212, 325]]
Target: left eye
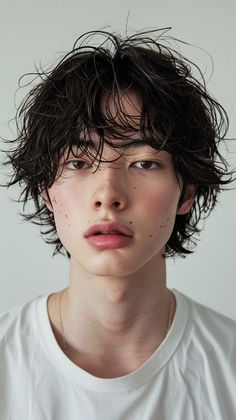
[[147, 164], [76, 164]]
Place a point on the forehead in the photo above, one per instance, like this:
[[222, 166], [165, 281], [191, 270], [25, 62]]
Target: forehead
[[121, 127], [122, 112], [116, 106], [93, 146]]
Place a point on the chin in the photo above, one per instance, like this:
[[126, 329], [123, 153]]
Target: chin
[[111, 267], [112, 272], [116, 268], [117, 263]]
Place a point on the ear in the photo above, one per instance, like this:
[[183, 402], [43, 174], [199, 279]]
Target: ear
[[187, 200], [47, 200]]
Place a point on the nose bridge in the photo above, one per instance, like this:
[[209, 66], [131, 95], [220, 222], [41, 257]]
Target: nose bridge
[[110, 188]]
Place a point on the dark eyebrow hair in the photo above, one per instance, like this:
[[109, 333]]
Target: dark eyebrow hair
[[132, 144]]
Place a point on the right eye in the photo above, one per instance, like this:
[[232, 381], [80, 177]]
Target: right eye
[[76, 164]]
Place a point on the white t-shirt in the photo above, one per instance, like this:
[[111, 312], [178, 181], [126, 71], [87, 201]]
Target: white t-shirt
[[192, 375]]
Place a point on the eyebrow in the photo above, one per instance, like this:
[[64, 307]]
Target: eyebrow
[[136, 143]]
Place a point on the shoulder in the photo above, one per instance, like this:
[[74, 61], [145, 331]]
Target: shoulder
[[205, 360], [18, 349], [17, 324], [209, 317], [209, 329]]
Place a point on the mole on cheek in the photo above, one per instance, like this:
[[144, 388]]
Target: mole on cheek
[[130, 222], [162, 226], [150, 236], [69, 223]]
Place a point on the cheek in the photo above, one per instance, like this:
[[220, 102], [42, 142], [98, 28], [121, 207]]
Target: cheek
[[161, 203], [160, 212], [61, 209]]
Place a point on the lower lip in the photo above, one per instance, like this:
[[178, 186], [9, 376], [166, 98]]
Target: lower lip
[[109, 241]]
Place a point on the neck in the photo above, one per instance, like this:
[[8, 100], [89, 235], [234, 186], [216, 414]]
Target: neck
[[117, 307], [108, 318]]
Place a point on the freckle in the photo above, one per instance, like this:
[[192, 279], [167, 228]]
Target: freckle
[[150, 236], [135, 187], [164, 226], [161, 226], [66, 215], [130, 222], [54, 200], [168, 219]]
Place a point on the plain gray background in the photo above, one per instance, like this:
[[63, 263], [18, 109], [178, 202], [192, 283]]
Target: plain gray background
[[33, 32]]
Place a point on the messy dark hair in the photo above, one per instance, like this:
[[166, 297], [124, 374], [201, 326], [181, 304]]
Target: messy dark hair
[[177, 115]]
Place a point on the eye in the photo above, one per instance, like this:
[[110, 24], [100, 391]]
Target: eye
[[147, 164], [76, 164]]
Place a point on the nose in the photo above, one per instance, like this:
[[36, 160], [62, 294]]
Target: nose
[[110, 189]]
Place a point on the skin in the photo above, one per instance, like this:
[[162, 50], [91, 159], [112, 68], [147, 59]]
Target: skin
[[116, 308]]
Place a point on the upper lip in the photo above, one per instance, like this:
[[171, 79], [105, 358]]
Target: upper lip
[[109, 227]]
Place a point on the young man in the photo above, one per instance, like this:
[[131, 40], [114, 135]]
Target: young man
[[119, 150]]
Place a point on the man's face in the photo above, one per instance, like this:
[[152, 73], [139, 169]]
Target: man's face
[[138, 190]]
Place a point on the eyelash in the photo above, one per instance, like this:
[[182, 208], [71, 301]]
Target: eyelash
[[77, 161], [158, 165]]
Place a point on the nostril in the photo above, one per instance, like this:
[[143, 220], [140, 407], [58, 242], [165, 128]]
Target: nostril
[[98, 204], [116, 203]]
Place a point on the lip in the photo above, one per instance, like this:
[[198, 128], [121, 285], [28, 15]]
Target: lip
[[118, 235], [109, 241], [116, 227]]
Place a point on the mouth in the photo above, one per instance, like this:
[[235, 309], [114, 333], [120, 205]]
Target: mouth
[[110, 228], [114, 232], [109, 236]]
